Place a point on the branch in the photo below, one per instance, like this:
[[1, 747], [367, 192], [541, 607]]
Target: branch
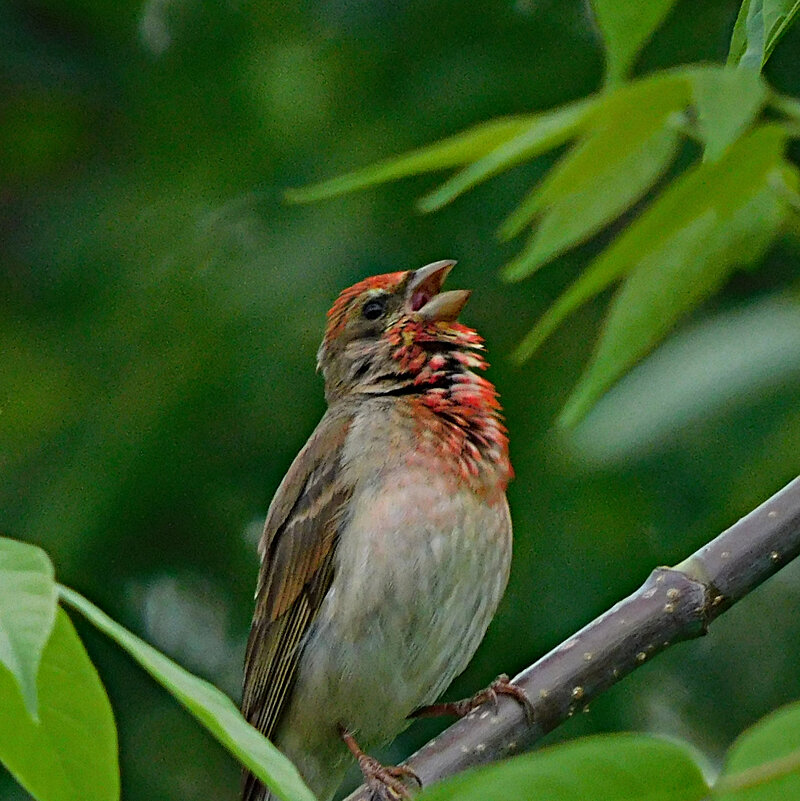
[[674, 604]]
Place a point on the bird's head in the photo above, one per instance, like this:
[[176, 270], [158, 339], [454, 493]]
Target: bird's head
[[382, 330]]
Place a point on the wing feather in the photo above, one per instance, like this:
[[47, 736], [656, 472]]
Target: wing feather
[[297, 552]]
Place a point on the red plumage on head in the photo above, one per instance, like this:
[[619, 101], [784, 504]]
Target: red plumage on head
[[457, 406], [337, 316]]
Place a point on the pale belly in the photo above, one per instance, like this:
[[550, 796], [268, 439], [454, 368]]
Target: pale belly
[[420, 571]]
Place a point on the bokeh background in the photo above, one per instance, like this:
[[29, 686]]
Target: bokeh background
[[161, 306]]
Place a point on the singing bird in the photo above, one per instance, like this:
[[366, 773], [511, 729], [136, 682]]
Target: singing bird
[[386, 548]]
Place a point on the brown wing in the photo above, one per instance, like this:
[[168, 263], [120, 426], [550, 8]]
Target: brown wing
[[297, 551]]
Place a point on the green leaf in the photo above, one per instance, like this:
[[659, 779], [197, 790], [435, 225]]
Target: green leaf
[[718, 188], [544, 132], [732, 358], [727, 102], [764, 762], [758, 29], [27, 612], [626, 27], [455, 151], [629, 146], [71, 753], [212, 708], [615, 767], [747, 41], [670, 281], [778, 16]]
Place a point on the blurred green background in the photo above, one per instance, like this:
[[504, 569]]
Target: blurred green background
[[161, 309]]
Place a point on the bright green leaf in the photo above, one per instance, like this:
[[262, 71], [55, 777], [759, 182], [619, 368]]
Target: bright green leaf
[[738, 43], [71, 753], [455, 151], [758, 29], [764, 762], [545, 132], [718, 188], [209, 705], [626, 27], [778, 16], [747, 41], [27, 611], [669, 282], [733, 358], [616, 767], [629, 146], [595, 200], [727, 102]]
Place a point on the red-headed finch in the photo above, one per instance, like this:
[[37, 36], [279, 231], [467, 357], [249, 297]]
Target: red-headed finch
[[386, 548]]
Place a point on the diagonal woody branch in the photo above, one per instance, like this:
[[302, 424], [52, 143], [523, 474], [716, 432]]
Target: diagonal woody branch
[[674, 604]]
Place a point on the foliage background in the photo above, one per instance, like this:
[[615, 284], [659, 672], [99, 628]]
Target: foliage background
[[161, 308]]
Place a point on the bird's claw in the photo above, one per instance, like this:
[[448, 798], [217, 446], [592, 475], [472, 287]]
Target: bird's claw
[[500, 686], [385, 782]]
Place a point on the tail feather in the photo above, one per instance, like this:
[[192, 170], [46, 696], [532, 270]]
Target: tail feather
[[253, 789]]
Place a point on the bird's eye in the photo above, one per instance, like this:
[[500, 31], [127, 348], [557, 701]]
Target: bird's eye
[[373, 309]]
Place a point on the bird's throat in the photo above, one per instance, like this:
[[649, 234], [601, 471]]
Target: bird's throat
[[458, 409]]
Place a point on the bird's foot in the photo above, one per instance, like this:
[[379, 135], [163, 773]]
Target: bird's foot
[[500, 686], [386, 782]]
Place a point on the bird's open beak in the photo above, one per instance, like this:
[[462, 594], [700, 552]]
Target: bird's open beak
[[424, 297]]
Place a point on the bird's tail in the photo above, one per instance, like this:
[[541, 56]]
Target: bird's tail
[[254, 790]]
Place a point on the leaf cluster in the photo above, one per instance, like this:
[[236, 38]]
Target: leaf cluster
[[58, 737], [693, 221]]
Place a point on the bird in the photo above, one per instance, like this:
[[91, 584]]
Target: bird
[[387, 546]]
